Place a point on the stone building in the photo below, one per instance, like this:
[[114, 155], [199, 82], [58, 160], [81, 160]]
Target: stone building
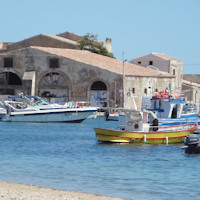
[[53, 66], [191, 88], [64, 40], [77, 75], [165, 63], [3, 46]]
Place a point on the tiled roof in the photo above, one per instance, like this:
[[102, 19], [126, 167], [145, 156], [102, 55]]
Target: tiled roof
[[160, 55], [164, 56], [103, 62], [61, 39], [190, 84]]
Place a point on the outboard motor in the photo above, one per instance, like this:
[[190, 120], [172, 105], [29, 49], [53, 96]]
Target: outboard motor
[[192, 144]]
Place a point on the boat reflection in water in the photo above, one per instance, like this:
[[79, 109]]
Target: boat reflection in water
[[35, 109]]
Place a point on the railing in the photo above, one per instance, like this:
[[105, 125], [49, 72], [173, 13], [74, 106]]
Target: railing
[[174, 127], [165, 128]]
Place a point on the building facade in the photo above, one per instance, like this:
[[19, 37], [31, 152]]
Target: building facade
[[53, 66], [64, 40], [191, 88], [77, 75], [164, 63]]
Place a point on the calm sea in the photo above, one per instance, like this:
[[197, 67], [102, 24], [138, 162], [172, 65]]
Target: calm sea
[[67, 157]]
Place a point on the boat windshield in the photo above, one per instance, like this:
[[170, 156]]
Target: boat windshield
[[29, 100], [40, 102]]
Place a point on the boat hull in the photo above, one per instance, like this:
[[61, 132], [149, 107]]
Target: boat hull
[[179, 121], [119, 136], [53, 116]]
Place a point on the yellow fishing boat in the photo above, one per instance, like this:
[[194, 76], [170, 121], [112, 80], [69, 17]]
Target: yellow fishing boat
[[136, 130]]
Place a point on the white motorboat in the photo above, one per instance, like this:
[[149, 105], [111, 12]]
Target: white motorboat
[[35, 109]]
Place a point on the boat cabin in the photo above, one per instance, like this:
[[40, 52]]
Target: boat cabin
[[166, 108], [166, 105], [136, 121]]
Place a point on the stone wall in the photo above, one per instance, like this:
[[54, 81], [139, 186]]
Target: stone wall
[[145, 86], [192, 78], [77, 77]]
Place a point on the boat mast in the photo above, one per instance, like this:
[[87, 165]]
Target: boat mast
[[123, 81]]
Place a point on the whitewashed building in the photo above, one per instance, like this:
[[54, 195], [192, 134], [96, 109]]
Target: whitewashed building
[[164, 63]]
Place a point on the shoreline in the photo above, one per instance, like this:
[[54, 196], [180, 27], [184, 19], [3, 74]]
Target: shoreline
[[16, 191]]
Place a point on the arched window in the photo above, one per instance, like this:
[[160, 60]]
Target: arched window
[[54, 85], [9, 78], [98, 94], [98, 85], [7, 81], [53, 80]]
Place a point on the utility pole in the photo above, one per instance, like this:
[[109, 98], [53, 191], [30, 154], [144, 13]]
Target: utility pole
[[123, 81]]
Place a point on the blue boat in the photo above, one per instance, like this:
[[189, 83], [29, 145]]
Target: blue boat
[[173, 110]]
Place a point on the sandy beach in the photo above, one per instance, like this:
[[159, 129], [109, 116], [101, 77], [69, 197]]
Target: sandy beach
[[13, 191]]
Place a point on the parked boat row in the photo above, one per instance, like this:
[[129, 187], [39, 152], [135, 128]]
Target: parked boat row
[[170, 109], [174, 121], [165, 119], [28, 108]]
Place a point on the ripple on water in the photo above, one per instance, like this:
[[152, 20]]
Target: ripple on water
[[67, 156]]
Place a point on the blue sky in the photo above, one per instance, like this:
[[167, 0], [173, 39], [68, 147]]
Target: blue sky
[[136, 27]]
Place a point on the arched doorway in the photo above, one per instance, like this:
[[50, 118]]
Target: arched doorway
[[9, 82], [98, 94], [53, 85]]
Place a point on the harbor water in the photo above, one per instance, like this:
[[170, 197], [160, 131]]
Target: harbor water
[[67, 156]]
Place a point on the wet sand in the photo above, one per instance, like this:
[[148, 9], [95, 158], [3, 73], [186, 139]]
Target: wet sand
[[13, 191]]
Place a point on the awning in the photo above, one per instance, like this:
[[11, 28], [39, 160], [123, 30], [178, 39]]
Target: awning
[[29, 75]]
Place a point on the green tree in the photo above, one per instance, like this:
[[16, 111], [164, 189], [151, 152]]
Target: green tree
[[90, 43]]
